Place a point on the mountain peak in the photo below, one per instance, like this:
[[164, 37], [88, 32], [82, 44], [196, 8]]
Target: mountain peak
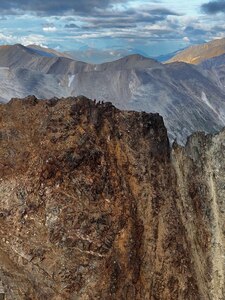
[[18, 45], [45, 51], [14, 46], [133, 61], [137, 57]]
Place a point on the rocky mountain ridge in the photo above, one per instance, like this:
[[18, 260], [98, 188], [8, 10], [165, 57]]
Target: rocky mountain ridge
[[96, 205], [190, 98], [198, 53]]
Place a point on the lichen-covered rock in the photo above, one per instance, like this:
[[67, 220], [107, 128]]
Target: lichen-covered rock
[[94, 205]]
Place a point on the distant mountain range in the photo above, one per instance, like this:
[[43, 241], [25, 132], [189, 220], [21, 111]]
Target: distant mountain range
[[98, 56], [189, 97]]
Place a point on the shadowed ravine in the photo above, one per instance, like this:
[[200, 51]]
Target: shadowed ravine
[[96, 205]]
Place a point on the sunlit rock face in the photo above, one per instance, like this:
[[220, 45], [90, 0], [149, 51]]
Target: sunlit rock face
[[200, 53], [96, 205]]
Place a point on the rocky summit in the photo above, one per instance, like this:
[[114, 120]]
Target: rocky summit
[[96, 205]]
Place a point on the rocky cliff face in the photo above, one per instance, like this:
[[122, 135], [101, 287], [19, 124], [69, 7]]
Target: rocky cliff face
[[95, 205]]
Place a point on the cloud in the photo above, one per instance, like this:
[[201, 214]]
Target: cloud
[[219, 28], [54, 7], [98, 9], [93, 19], [214, 7], [193, 31], [121, 22], [129, 18], [37, 39], [97, 23], [163, 11], [71, 26], [186, 39], [49, 27]]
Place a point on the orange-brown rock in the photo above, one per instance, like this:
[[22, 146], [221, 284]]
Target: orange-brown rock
[[95, 205]]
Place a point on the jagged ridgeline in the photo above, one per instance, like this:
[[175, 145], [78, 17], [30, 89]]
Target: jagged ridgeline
[[96, 205], [189, 97]]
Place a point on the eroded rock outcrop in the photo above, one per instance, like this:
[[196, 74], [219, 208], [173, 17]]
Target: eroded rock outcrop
[[94, 205]]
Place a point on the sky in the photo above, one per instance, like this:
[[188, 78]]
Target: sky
[[101, 30]]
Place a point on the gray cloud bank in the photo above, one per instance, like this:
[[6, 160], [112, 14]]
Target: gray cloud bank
[[214, 7], [54, 7]]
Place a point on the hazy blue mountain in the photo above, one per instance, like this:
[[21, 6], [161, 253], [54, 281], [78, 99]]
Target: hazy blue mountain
[[97, 56]]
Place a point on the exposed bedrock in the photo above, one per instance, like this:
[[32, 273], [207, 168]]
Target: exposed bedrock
[[94, 204]]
